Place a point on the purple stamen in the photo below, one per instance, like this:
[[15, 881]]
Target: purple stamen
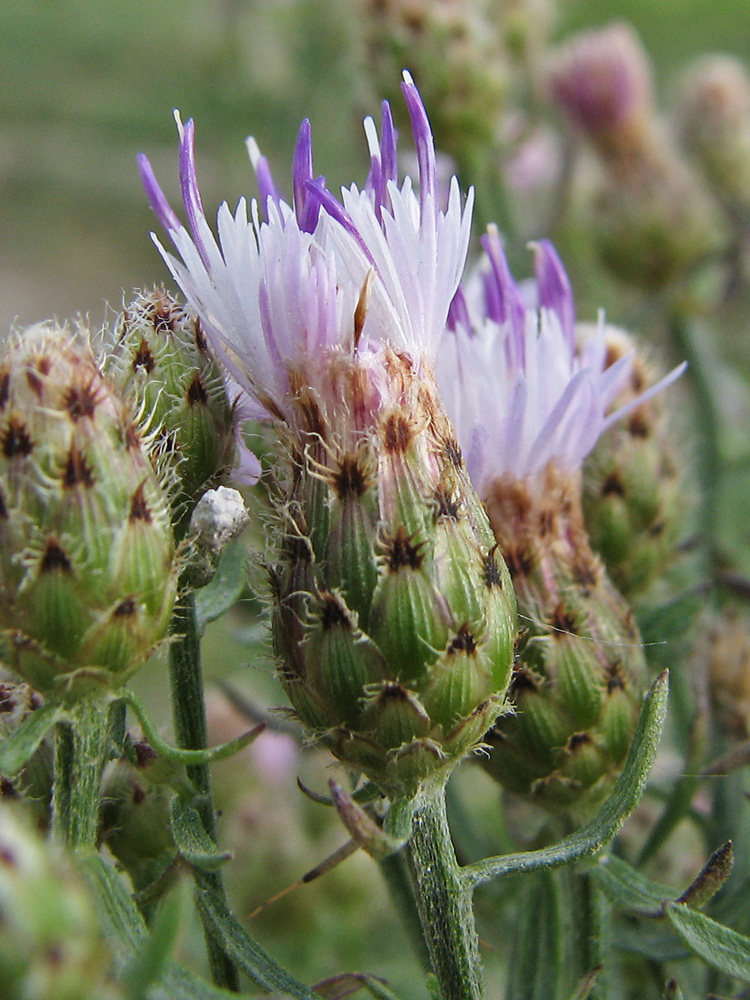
[[388, 152], [555, 292], [307, 219], [302, 169], [339, 214], [458, 313], [424, 142], [503, 298], [191, 198], [162, 209]]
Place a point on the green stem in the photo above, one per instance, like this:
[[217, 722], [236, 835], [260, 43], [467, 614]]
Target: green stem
[[189, 713], [81, 747], [444, 901]]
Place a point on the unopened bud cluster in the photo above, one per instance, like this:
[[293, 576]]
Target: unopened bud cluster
[[581, 673], [634, 499], [162, 364], [87, 571], [394, 615]]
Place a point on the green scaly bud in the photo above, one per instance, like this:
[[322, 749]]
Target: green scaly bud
[[51, 944], [87, 567], [160, 361], [581, 673], [634, 499], [394, 615]]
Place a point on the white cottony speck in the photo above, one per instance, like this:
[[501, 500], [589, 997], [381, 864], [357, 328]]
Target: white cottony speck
[[219, 517]]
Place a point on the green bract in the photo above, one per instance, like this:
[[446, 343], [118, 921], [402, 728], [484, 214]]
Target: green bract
[[634, 500], [160, 361], [581, 674], [87, 568], [394, 615]]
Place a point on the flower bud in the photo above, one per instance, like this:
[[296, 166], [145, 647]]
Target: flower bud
[[51, 944], [634, 500], [602, 79], [653, 218], [162, 364], [713, 112], [87, 569]]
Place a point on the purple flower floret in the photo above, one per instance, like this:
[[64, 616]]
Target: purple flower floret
[[281, 286], [521, 385]]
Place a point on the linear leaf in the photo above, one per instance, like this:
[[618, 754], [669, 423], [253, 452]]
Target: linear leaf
[[128, 935], [625, 796], [716, 944], [223, 592], [191, 839], [16, 748], [256, 963]]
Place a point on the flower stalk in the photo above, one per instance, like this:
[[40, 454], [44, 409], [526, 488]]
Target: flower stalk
[[444, 901], [81, 748], [189, 714]]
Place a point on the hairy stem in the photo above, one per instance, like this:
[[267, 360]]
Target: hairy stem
[[444, 902], [81, 745], [189, 713]]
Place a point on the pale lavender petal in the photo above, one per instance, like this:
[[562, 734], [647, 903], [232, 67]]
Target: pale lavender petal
[[458, 312], [248, 469], [645, 396], [191, 198]]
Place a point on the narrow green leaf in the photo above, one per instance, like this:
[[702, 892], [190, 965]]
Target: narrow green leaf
[[18, 747], [151, 960], [191, 839], [223, 592], [590, 839], [128, 935], [716, 944], [194, 757], [247, 953], [628, 890]]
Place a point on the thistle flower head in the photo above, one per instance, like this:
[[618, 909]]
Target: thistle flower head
[[393, 617], [286, 285], [529, 397], [522, 389]]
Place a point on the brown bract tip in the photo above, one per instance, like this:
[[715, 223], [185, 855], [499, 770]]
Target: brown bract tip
[[333, 613], [16, 440], [403, 553], [54, 558], [139, 508], [397, 433], [196, 392], [143, 357]]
